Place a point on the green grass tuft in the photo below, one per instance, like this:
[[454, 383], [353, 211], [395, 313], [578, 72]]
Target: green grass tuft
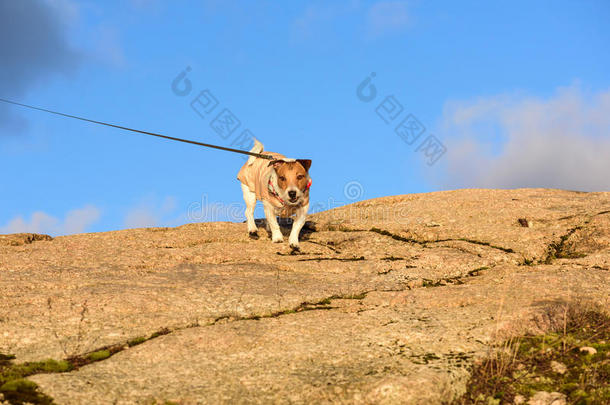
[[99, 355], [18, 385], [523, 366], [15, 389], [136, 341]]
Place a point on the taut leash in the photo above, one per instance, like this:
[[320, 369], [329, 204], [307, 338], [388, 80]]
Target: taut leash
[[207, 145]]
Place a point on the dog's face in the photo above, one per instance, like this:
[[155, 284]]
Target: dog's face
[[292, 179]]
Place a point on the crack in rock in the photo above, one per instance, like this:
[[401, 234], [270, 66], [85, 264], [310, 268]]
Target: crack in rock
[[454, 280], [426, 243], [339, 259]]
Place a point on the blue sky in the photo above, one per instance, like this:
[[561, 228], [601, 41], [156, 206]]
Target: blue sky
[[516, 94]]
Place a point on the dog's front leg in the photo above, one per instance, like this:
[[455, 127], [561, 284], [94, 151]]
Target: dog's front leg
[[276, 234], [250, 200], [297, 224]]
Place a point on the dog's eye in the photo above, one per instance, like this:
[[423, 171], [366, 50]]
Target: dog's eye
[[282, 178], [300, 176]]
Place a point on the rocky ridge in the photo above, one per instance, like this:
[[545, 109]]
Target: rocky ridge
[[389, 301]]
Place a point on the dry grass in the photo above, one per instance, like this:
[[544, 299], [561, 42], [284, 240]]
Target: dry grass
[[522, 366]]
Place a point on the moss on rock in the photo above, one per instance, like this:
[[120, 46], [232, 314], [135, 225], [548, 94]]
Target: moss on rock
[[527, 365]]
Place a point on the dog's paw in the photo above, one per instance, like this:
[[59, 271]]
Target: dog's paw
[[293, 241], [253, 235], [277, 238], [295, 247]]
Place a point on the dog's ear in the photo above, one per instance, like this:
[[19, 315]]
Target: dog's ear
[[306, 163], [276, 163]]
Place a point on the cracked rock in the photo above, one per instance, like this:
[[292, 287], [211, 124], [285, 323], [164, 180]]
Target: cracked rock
[[547, 398], [378, 307]]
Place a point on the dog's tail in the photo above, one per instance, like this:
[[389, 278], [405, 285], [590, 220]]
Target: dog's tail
[[257, 148]]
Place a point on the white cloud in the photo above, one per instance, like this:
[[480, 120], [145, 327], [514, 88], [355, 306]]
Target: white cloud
[[152, 213], [75, 221], [306, 25], [142, 4], [318, 19], [141, 217], [108, 46], [78, 220], [68, 10], [35, 46], [386, 17], [510, 141]]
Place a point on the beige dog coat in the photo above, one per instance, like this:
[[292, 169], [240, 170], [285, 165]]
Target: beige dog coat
[[255, 176]]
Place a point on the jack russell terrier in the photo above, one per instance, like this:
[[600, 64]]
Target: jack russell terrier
[[282, 185]]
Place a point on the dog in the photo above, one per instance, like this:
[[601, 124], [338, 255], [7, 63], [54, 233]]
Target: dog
[[282, 185]]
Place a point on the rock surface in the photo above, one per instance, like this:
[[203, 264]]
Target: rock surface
[[558, 367], [18, 239], [389, 301], [548, 398]]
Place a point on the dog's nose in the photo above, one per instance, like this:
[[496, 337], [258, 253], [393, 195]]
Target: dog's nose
[[292, 194]]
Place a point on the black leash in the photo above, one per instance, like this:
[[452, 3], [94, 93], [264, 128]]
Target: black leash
[[207, 145]]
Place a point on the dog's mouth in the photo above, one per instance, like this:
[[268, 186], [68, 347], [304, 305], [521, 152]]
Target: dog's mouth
[[293, 200]]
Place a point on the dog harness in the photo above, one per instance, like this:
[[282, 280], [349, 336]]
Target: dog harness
[[277, 196], [274, 193]]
